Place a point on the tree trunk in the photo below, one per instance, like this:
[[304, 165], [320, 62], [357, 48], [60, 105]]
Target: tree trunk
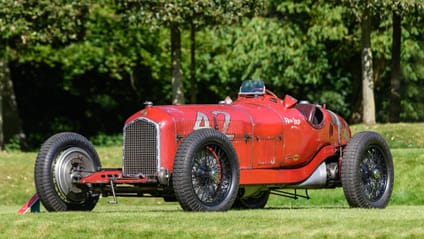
[[395, 106], [367, 71], [4, 75], [177, 79], [10, 121], [1, 122], [193, 64]]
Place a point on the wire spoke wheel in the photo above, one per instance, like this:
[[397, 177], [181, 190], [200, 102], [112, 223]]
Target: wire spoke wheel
[[206, 172], [373, 169], [367, 172], [211, 181]]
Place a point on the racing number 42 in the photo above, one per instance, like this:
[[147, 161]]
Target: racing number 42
[[202, 121]]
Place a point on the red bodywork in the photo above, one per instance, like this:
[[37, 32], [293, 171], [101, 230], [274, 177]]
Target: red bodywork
[[279, 142]]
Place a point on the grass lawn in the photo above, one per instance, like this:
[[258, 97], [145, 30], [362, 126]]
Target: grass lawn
[[168, 221], [326, 215]]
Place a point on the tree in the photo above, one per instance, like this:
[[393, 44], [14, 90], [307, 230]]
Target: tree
[[399, 8], [297, 48], [8, 107], [395, 107], [106, 57], [110, 69], [26, 27], [110, 44], [176, 58], [367, 68], [364, 12], [178, 15], [171, 15], [11, 34], [221, 13]]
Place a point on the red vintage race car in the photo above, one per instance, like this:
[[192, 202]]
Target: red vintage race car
[[221, 156]]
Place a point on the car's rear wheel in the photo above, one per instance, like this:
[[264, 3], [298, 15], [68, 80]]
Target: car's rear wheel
[[367, 172], [63, 159], [206, 172], [255, 201]]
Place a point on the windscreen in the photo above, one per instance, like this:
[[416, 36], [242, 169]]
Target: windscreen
[[252, 87]]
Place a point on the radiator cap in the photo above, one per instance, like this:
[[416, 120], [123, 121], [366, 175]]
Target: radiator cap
[[148, 104]]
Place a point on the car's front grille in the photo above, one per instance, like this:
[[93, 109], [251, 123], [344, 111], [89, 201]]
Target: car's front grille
[[141, 149]]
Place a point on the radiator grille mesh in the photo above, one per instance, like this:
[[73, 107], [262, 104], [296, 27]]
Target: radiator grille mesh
[[140, 148]]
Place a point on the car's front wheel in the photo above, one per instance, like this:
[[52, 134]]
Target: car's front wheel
[[62, 160], [367, 172], [206, 172]]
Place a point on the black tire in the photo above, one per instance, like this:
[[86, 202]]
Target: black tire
[[256, 201], [62, 158], [367, 172], [206, 172]]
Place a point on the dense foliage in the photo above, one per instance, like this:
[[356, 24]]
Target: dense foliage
[[87, 65]]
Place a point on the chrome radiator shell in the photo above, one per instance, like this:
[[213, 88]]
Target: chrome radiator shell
[[141, 149]]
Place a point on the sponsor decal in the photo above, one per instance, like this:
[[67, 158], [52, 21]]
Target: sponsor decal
[[292, 120], [293, 157]]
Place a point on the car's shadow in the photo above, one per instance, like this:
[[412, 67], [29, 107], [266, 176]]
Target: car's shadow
[[176, 209], [304, 207]]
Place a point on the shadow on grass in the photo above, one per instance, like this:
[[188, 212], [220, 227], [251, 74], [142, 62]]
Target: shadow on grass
[[306, 207], [176, 208]]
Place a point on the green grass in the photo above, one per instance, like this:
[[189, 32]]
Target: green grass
[[326, 215], [400, 135], [168, 221]]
